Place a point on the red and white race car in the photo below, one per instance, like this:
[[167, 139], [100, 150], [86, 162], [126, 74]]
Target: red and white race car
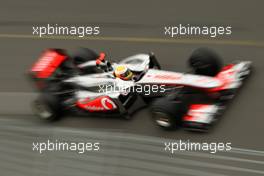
[[87, 83]]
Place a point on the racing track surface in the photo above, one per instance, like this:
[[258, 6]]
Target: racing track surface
[[242, 123]]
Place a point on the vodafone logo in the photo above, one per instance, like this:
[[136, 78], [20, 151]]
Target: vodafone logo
[[108, 104], [97, 104]]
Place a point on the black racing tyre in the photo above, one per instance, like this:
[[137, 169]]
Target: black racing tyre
[[83, 55], [167, 113], [206, 62], [48, 107]]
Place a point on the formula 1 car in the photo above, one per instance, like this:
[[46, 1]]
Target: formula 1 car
[[87, 83]]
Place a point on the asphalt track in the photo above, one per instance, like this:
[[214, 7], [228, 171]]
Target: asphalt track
[[135, 27]]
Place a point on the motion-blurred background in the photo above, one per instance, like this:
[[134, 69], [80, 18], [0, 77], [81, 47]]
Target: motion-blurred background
[[129, 147]]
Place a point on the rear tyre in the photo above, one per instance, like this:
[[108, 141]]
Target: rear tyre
[[167, 113], [206, 62], [47, 107], [83, 55]]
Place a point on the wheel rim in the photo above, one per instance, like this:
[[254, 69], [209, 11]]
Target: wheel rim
[[162, 119], [42, 110], [199, 65]]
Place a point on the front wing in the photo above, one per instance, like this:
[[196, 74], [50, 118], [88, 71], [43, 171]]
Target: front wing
[[201, 116]]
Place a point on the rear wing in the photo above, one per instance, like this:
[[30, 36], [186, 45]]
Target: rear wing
[[48, 62], [45, 67]]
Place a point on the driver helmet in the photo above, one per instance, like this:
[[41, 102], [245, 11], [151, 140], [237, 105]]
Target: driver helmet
[[123, 72]]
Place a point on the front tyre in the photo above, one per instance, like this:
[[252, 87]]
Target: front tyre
[[167, 113], [47, 107], [206, 62]]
